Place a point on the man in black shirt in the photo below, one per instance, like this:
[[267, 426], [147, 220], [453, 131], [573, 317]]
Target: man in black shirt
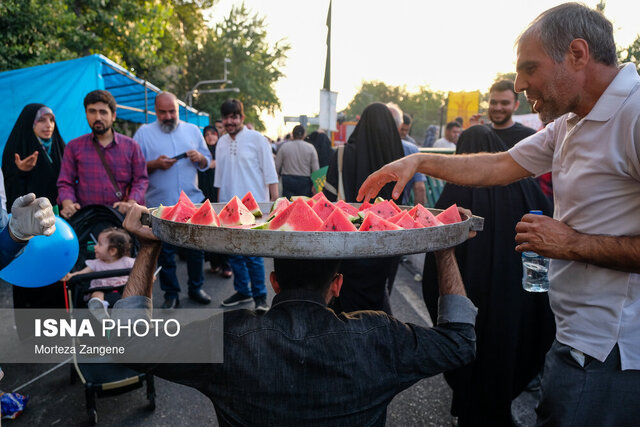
[[503, 102]]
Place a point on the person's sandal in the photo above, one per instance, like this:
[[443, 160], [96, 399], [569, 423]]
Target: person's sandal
[[226, 273]]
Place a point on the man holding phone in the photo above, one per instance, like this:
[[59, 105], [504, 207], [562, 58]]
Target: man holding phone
[[175, 151]]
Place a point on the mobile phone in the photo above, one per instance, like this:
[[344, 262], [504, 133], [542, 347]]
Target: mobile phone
[[180, 156]]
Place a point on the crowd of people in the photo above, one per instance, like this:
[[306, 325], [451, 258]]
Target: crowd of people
[[328, 350]]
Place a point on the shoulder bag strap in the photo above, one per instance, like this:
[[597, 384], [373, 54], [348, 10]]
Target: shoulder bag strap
[[116, 188]]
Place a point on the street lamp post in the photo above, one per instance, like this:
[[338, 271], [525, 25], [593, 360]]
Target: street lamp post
[[195, 91]]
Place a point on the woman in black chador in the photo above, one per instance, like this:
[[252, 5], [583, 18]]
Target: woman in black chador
[[375, 141], [514, 328], [31, 164]]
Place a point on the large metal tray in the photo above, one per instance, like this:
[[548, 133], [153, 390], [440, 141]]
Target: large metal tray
[[312, 244]]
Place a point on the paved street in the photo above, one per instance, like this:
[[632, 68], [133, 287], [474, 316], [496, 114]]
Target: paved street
[[54, 401]]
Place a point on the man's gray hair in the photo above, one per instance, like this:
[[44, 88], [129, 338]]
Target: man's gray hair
[[396, 112], [557, 27]]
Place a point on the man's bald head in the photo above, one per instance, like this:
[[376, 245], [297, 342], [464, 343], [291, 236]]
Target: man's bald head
[[167, 111]]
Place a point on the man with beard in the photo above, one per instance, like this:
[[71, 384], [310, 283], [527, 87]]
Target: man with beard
[[503, 102], [244, 163], [175, 151], [84, 179], [568, 67]]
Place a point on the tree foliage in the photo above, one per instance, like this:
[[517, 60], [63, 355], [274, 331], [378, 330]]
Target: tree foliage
[[254, 67], [423, 106], [631, 53], [166, 42]]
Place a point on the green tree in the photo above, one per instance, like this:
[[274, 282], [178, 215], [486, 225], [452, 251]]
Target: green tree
[[423, 106], [254, 67], [631, 53], [34, 32]]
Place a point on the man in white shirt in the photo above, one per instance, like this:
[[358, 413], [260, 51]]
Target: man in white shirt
[[451, 134], [567, 65], [175, 151], [244, 163]]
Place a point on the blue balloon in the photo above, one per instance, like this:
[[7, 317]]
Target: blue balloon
[[45, 259]]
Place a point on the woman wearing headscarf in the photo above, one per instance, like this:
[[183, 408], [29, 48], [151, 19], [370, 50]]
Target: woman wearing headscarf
[[514, 328], [219, 262], [32, 155], [375, 141], [31, 164]]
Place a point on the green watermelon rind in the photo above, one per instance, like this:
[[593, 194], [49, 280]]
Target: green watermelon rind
[[255, 210]]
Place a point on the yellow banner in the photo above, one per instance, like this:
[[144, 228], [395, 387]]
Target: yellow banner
[[463, 104]]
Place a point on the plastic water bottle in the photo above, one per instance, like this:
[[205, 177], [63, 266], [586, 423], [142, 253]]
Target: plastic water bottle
[[535, 268]]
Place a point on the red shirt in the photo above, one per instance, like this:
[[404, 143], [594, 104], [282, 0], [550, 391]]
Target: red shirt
[[84, 180]]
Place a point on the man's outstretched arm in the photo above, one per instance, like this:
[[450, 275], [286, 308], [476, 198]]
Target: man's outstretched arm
[[475, 170]]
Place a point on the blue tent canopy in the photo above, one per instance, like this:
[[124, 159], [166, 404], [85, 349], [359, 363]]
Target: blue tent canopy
[[62, 86]]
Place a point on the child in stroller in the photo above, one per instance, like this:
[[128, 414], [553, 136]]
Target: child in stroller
[[111, 250]]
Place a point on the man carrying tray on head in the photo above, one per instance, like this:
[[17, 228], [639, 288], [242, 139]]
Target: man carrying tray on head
[[301, 363], [567, 66]]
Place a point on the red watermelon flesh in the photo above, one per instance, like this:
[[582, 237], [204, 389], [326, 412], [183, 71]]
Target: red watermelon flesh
[[183, 210], [338, 221], [383, 209], [366, 205], [278, 206], [250, 203], [316, 197], [235, 213], [394, 206], [323, 208], [205, 215], [373, 222], [450, 215], [165, 212], [404, 220], [422, 215], [351, 212], [297, 217]]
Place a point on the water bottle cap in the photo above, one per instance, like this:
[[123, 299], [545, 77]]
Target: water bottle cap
[[535, 212]]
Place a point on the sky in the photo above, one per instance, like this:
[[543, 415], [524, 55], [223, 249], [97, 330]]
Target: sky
[[444, 45]]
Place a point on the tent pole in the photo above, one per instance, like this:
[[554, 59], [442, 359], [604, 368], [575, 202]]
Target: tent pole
[[146, 106]]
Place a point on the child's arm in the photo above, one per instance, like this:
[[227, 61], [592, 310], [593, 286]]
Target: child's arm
[[75, 273]]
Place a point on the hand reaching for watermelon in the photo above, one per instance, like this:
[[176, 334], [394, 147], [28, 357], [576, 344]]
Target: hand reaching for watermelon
[[132, 224], [400, 171]]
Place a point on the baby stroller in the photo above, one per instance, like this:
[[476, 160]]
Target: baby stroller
[[100, 379]]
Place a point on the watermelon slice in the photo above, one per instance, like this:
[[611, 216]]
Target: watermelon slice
[[366, 205], [235, 213], [449, 215], [250, 203], [351, 212], [205, 215], [338, 221], [296, 217], [323, 208], [278, 206], [183, 210], [165, 212], [383, 209], [394, 206], [404, 220], [373, 222], [316, 197], [424, 216]]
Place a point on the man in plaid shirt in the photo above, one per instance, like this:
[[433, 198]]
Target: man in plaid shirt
[[83, 179]]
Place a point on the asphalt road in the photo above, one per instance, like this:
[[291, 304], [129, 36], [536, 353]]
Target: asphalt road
[[54, 401]]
